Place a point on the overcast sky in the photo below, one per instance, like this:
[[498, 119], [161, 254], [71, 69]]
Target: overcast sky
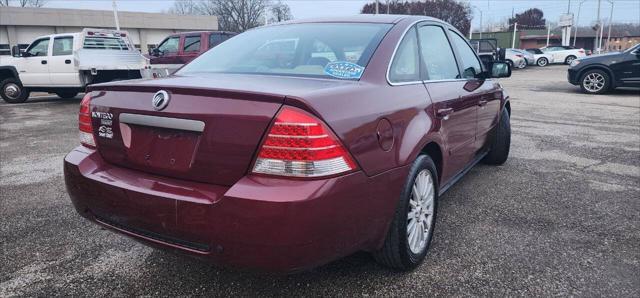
[[627, 11]]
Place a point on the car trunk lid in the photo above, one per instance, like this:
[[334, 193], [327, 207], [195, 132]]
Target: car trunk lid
[[206, 134]]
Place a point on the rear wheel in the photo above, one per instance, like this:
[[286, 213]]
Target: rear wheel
[[411, 230], [67, 94], [522, 64], [569, 59], [500, 141], [595, 81], [12, 91], [510, 63], [542, 62]]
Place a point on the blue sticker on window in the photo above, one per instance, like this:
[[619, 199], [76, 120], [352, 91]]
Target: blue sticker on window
[[344, 70]]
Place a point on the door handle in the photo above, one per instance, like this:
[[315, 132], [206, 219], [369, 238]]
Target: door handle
[[444, 113], [43, 62], [68, 61], [482, 103]]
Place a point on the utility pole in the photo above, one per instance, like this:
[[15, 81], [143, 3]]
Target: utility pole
[[548, 33], [115, 14], [513, 39], [377, 6], [575, 35], [598, 42], [388, 6], [610, 22], [480, 24]]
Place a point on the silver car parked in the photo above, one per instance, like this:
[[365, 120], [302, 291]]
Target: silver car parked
[[515, 59]]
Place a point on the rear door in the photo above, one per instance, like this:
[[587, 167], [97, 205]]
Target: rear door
[[34, 69], [62, 69], [484, 91], [191, 48], [455, 107]]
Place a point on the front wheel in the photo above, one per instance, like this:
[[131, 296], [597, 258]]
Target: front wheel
[[542, 62], [500, 141], [411, 230], [12, 91], [595, 82]]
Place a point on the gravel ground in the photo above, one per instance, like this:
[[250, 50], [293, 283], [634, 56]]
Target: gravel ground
[[561, 217]]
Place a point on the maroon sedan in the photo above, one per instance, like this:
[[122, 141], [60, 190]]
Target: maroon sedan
[[292, 145]]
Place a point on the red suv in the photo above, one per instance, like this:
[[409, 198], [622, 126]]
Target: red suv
[[295, 144], [183, 47]]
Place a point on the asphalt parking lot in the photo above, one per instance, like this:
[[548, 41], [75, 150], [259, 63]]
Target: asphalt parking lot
[[561, 217]]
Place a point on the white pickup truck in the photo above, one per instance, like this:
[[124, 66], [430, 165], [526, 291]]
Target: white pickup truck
[[66, 63]]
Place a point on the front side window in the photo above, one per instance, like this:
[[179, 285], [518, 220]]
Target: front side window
[[330, 50], [170, 45], [39, 47], [470, 63], [405, 66], [437, 53], [192, 43], [63, 46]]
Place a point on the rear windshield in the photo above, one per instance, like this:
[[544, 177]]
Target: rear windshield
[[340, 50], [105, 43]]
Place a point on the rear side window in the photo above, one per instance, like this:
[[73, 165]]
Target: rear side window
[[62, 46], [39, 47], [406, 62], [170, 45], [216, 39], [437, 54], [192, 43], [470, 63]]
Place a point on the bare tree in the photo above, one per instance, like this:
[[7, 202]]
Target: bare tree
[[233, 15], [185, 7], [532, 18], [456, 13], [280, 12], [23, 3]]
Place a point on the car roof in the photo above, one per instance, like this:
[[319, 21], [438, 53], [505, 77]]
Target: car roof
[[362, 18]]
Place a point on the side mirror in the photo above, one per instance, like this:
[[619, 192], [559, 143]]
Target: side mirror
[[155, 52], [15, 51], [500, 70]]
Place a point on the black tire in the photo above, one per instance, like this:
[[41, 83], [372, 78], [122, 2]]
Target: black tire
[[542, 62], [584, 86], [8, 93], [67, 94], [510, 63], [569, 59], [500, 141], [396, 252]]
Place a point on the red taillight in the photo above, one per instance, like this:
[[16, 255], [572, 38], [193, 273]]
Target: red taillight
[[519, 56], [581, 51], [84, 122], [300, 145]]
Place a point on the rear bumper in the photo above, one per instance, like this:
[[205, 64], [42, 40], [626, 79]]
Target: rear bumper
[[258, 223]]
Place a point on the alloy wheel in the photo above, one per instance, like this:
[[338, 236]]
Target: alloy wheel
[[421, 212], [593, 82], [542, 62]]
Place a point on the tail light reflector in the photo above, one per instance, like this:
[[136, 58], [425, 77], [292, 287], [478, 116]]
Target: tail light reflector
[[300, 145], [519, 56], [84, 122], [581, 51]]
